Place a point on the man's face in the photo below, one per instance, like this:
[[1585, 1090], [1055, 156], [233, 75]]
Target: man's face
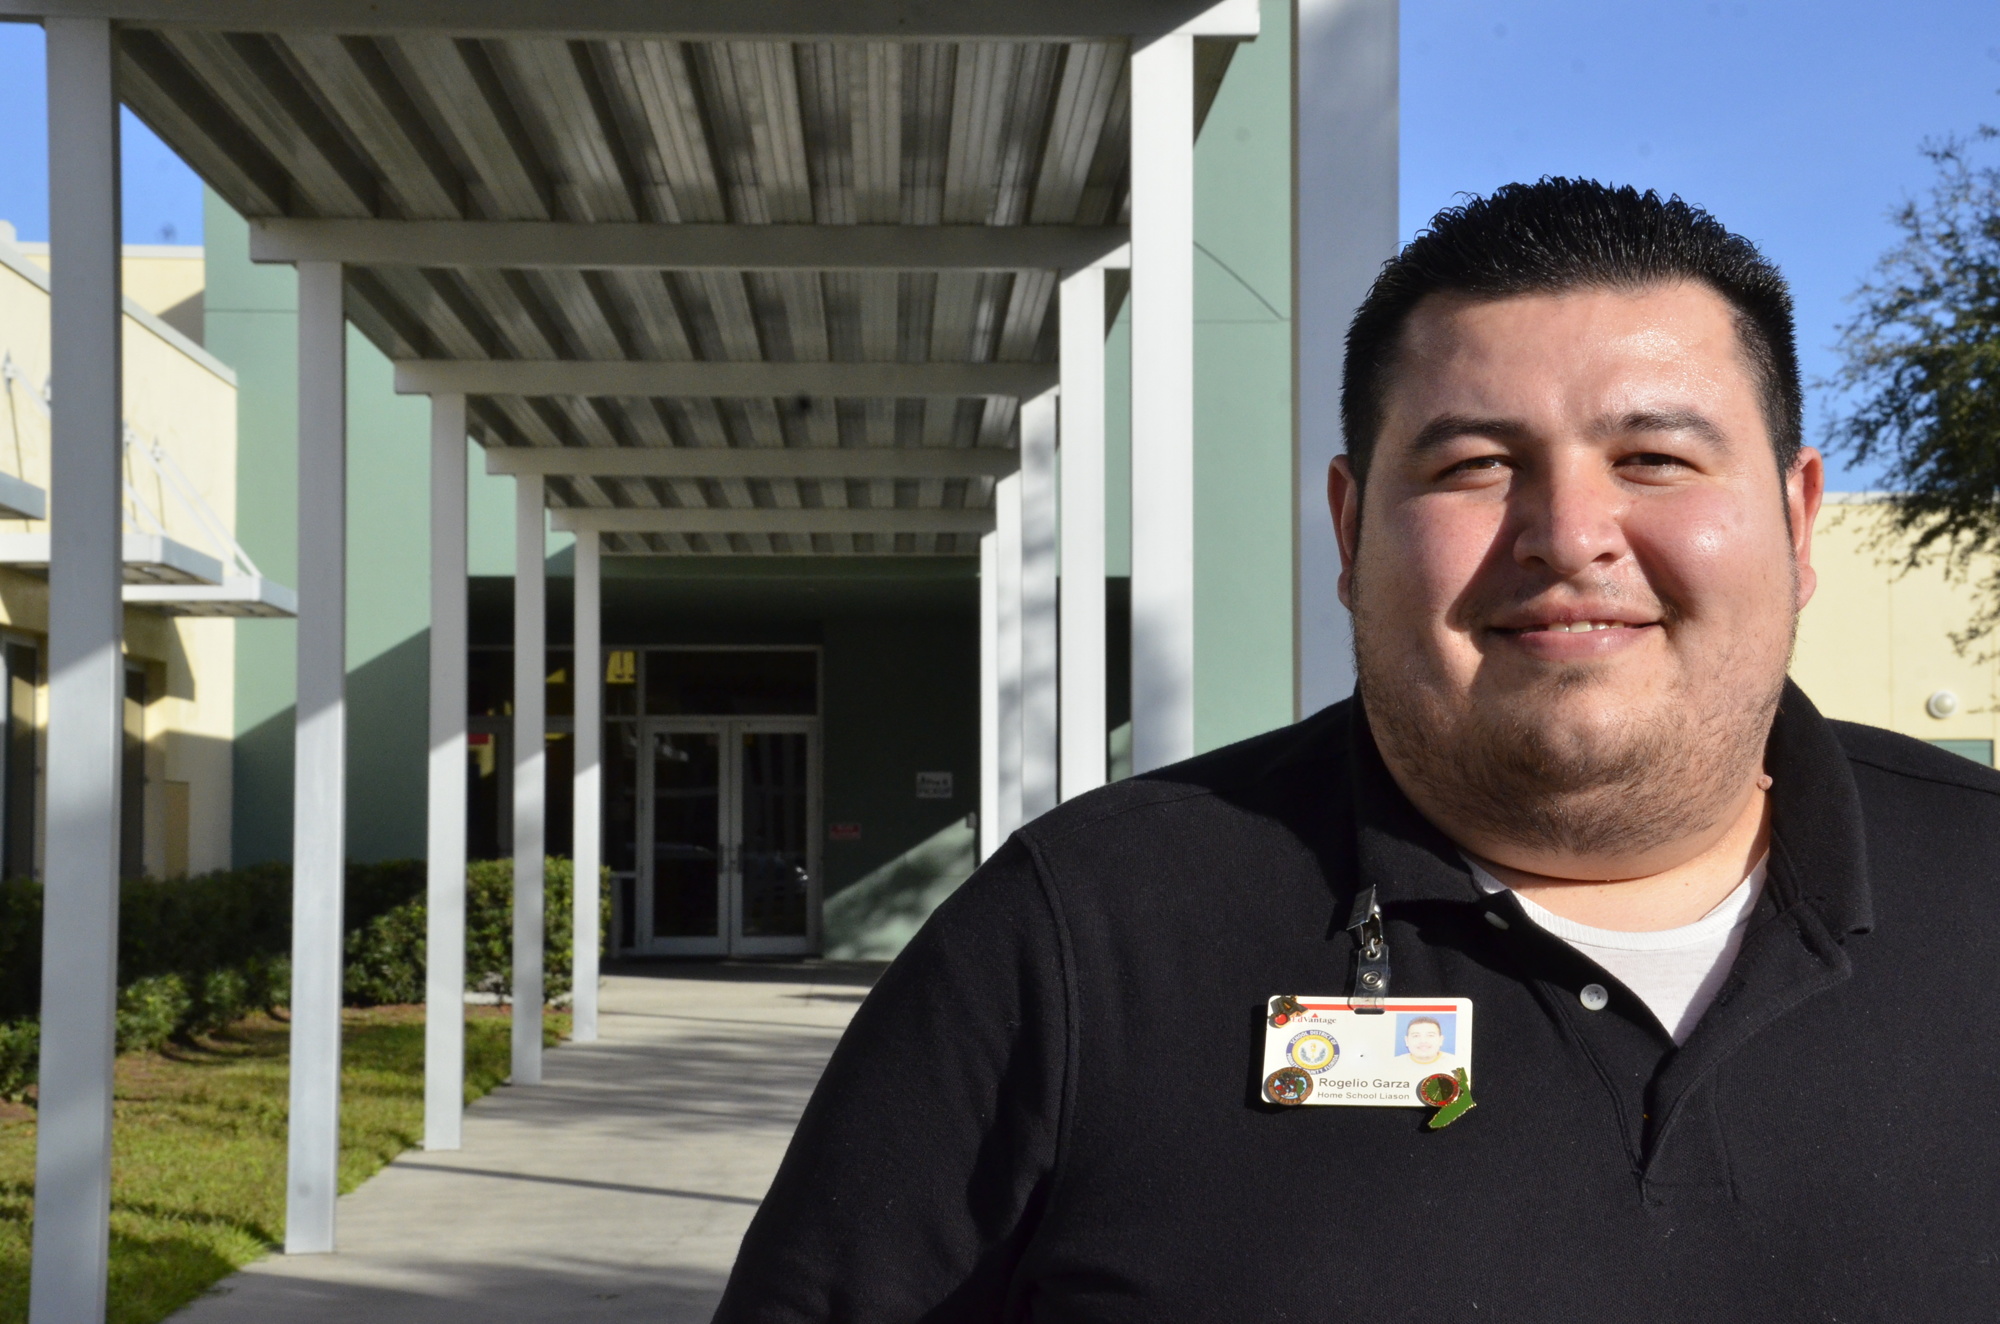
[[1423, 1040], [1573, 578]]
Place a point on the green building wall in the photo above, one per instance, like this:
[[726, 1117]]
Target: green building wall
[[1243, 395], [251, 324]]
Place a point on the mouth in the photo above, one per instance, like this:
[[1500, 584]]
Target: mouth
[[1576, 627]]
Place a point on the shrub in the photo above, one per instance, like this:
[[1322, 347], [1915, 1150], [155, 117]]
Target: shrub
[[386, 959], [196, 954], [20, 1056], [151, 1011]]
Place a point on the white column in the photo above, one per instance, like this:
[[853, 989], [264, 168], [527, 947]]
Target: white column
[[86, 689], [1344, 210], [1162, 402], [588, 815], [530, 771], [1038, 606], [1007, 653], [319, 776], [1081, 313], [990, 835], [444, 935]]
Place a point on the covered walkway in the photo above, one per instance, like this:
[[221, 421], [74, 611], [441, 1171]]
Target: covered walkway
[[616, 1189]]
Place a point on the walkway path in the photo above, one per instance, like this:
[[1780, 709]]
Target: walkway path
[[617, 1190]]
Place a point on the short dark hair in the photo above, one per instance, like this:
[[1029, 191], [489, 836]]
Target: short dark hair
[[1415, 1021], [1563, 234]]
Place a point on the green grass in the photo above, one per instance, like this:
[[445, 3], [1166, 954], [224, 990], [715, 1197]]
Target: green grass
[[198, 1149]]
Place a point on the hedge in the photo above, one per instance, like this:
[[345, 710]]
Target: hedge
[[195, 954]]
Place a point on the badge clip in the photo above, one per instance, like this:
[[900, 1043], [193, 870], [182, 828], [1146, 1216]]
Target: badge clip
[[1371, 954]]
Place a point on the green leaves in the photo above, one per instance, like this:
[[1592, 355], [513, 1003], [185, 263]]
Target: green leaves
[[1921, 378]]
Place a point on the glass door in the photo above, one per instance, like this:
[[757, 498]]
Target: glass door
[[774, 874], [723, 826], [682, 898]]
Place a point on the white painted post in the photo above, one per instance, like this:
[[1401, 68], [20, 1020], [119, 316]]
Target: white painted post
[[1038, 606], [990, 835], [1344, 197], [1162, 402], [319, 776], [587, 854], [86, 684], [1083, 750], [530, 771], [1007, 634], [444, 933]]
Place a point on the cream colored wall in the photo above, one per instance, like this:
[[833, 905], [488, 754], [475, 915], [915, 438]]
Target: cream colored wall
[[1875, 643], [182, 397]]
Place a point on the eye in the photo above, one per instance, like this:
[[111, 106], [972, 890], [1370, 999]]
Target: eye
[[1652, 460], [1477, 464]]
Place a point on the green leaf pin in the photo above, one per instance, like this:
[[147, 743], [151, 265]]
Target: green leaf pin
[[1453, 1106]]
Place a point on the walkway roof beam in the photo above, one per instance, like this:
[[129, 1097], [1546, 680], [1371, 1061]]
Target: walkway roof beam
[[628, 244], [749, 380], [903, 20], [712, 519], [747, 462]]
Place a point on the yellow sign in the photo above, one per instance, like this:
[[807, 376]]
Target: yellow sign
[[621, 667]]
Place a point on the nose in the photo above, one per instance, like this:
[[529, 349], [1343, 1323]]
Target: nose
[[1568, 517]]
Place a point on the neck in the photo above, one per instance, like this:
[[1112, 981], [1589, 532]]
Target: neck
[[1654, 898]]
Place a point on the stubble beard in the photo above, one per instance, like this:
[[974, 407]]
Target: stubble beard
[[1519, 768]]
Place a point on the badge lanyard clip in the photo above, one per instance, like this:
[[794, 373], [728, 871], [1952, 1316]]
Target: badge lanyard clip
[[1371, 954]]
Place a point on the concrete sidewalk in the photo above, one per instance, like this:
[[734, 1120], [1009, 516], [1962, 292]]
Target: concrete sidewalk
[[617, 1190]]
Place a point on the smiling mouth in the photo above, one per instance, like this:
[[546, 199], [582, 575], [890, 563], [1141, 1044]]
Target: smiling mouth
[[1579, 627]]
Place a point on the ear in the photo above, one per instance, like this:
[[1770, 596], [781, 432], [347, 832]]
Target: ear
[[1343, 500], [1805, 488]]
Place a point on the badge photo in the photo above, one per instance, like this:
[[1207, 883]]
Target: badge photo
[[1393, 1053]]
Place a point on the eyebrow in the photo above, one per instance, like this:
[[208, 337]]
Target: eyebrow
[[1448, 427], [1663, 420]]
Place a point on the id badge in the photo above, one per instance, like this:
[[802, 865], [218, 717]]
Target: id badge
[[1387, 1053]]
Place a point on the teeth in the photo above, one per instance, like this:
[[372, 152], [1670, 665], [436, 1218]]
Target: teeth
[[1582, 627]]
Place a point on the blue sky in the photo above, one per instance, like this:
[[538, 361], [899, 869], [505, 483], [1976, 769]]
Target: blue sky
[[1797, 122]]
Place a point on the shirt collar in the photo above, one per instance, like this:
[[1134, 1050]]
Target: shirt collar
[[1818, 852]]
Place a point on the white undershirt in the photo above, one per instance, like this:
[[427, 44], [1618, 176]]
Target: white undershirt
[[1675, 972]]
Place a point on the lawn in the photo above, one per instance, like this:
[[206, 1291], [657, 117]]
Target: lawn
[[198, 1166]]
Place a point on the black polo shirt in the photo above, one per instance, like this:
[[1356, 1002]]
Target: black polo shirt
[[1049, 1106]]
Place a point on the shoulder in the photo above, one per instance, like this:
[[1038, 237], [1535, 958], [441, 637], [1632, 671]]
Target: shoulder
[[1308, 751], [1912, 764], [1273, 777]]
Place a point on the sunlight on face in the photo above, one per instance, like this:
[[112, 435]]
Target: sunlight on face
[[1573, 570]]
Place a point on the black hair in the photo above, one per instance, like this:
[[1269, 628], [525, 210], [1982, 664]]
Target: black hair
[[1563, 234]]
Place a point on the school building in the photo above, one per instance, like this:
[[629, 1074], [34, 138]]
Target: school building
[[768, 457]]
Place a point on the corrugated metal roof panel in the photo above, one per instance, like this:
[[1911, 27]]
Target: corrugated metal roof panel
[[415, 125]]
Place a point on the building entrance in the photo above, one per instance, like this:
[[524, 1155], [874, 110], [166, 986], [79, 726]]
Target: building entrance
[[712, 834]]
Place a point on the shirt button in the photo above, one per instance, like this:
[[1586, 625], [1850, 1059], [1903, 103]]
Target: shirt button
[[1594, 997]]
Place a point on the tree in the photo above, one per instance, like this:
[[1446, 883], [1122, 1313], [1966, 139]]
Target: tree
[[1921, 373]]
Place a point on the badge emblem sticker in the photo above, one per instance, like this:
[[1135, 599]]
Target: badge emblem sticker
[[1438, 1090], [1289, 1086], [1334, 1051], [1313, 1050]]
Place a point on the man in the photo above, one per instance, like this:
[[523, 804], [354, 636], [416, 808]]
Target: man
[[1423, 1045], [1723, 954]]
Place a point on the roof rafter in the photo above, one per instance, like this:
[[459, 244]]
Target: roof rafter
[[745, 462], [1020, 20], [528, 245], [710, 520], [752, 380]]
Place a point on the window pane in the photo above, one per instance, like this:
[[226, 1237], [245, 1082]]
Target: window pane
[[724, 683]]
